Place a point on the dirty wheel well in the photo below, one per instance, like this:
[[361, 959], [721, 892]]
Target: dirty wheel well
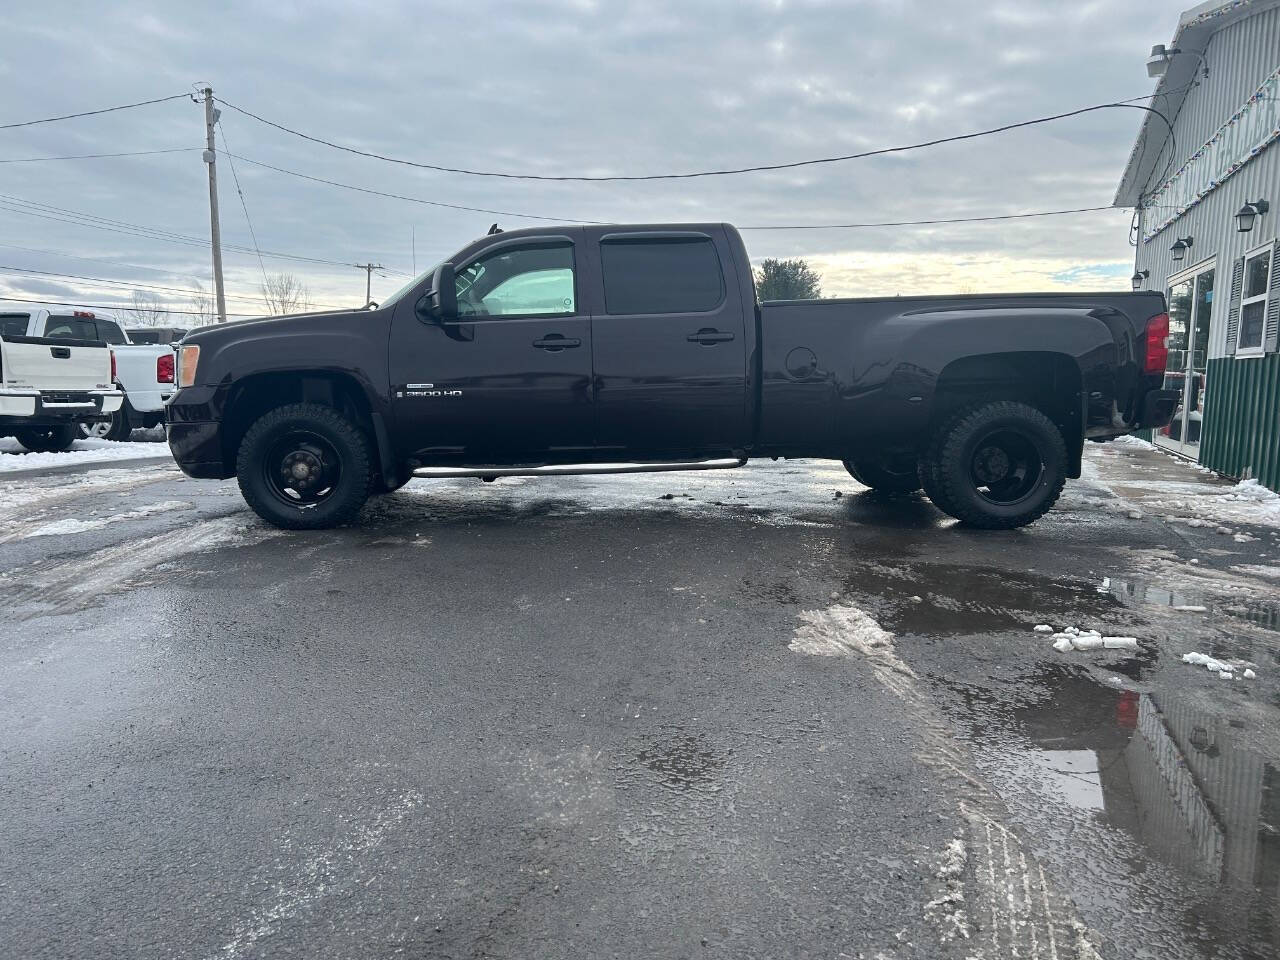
[[1050, 382], [255, 395]]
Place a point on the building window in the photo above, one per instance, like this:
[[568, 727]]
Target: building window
[[1253, 301]]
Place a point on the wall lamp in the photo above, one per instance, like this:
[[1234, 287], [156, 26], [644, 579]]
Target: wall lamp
[[1180, 248], [1250, 212], [1138, 277]]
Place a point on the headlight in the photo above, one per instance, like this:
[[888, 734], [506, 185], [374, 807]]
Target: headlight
[[188, 358]]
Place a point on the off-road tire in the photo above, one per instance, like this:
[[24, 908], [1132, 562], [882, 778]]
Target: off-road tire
[[47, 439], [875, 475], [347, 440], [946, 470]]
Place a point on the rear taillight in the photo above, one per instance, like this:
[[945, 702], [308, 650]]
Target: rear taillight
[[188, 358], [113, 365], [164, 368], [1157, 344]]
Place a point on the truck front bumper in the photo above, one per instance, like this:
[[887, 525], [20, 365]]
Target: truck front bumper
[[53, 407], [197, 448]]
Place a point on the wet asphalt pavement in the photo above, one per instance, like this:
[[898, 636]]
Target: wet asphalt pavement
[[758, 713]]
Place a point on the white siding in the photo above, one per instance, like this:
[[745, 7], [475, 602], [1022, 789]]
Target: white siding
[[1239, 57]]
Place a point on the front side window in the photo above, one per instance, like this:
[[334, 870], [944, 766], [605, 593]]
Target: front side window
[[537, 280], [661, 275], [1253, 302], [71, 328]]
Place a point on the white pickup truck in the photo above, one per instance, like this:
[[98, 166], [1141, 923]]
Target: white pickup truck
[[144, 371], [50, 385]]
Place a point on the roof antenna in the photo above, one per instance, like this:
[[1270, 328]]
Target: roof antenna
[[493, 229]]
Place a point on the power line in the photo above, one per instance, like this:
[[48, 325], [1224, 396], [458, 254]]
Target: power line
[[110, 306], [243, 206], [922, 223], [100, 156], [134, 284], [400, 196], [806, 226], [758, 168], [110, 263], [60, 214], [92, 113]]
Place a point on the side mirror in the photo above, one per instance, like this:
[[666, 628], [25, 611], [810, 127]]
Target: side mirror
[[440, 303]]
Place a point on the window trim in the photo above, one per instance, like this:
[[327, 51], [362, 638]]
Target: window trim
[[638, 238], [516, 244], [1267, 249]]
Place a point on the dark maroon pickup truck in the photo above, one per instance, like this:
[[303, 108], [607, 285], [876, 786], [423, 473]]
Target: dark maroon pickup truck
[[606, 348]]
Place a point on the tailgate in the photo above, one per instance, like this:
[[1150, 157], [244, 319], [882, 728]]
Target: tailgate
[[46, 363]]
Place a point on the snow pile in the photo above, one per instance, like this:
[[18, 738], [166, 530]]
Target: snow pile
[[13, 456], [1073, 638], [1226, 669]]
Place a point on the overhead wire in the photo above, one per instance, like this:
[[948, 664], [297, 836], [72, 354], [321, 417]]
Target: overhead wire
[[243, 205], [132, 284], [94, 113], [110, 306], [100, 156], [729, 171]]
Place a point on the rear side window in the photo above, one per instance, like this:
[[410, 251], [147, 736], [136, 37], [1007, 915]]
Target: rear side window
[[110, 331], [661, 276], [71, 328], [14, 324]]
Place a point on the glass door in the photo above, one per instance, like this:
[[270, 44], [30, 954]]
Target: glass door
[[1190, 311]]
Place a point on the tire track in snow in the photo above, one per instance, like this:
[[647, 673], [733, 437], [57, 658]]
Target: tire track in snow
[[999, 872], [78, 582]]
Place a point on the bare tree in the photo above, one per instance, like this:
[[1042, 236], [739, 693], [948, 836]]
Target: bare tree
[[201, 306], [144, 310], [285, 293]]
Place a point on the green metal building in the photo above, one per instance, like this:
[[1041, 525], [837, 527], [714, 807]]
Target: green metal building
[[1204, 180]]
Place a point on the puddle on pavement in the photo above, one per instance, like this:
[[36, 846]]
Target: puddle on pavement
[[941, 598], [1156, 815], [1260, 611]]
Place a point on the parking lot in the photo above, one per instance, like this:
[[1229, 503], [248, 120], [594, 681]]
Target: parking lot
[[761, 712]]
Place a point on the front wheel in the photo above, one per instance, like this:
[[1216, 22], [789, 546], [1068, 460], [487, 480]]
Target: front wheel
[[47, 439], [996, 466], [883, 476], [304, 467]]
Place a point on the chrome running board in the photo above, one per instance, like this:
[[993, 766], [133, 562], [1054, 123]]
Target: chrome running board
[[574, 469]]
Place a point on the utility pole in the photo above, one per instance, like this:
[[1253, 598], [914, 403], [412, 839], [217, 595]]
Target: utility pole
[[210, 118], [368, 269]]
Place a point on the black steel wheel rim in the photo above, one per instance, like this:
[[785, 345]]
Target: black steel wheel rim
[[1006, 467], [302, 468]]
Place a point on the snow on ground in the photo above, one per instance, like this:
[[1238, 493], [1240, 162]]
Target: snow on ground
[[71, 525], [13, 456], [1176, 491]]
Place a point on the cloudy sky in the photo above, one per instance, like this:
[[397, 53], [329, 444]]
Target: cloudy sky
[[569, 87]]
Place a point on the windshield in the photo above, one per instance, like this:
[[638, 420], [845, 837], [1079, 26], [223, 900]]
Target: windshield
[[410, 285]]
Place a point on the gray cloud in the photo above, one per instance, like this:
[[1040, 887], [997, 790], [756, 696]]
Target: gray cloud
[[556, 87]]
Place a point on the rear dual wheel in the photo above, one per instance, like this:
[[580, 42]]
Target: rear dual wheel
[[884, 475], [304, 467], [996, 466]]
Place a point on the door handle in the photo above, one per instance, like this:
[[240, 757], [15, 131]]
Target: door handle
[[553, 341], [60, 353], [707, 336]]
